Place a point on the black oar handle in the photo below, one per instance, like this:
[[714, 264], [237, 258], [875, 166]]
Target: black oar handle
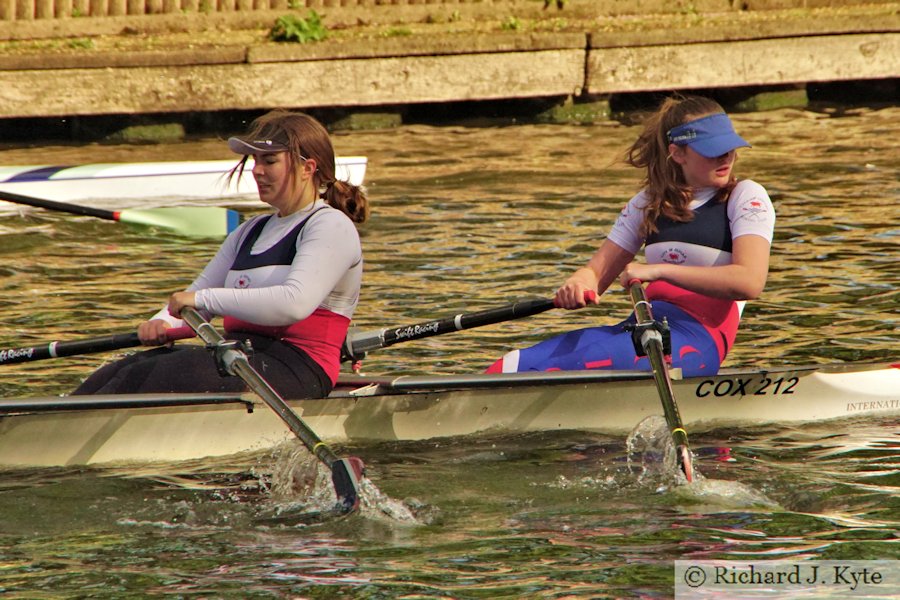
[[357, 344], [360, 343], [59, 206], [87, 346]]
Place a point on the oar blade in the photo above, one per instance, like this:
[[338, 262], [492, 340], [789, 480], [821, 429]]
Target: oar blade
[[194, 221], [346, 475], [686, 462], [649, 341]]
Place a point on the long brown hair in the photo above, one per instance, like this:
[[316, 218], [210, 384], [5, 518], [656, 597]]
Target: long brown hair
[[307, 138], [668, 193]]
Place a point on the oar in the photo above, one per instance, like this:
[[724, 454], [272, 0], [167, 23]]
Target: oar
[[357, 344], [197, 221], [345, 472], [107, 343], [648, 335]]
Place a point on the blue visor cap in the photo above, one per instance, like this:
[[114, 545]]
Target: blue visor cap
[[710, 136]]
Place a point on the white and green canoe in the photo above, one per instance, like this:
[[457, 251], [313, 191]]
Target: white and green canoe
[[197, 180]]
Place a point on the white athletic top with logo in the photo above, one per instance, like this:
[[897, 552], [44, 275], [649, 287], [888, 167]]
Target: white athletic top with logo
[[704, 241], [307, 300], [749, 211]]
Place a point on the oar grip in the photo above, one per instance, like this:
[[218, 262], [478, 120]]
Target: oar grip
[[179, 333], [590, 297]]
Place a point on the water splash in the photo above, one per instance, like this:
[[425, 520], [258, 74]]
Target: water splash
[[377, 504], [718, 495], [299, 485], [651, 452]]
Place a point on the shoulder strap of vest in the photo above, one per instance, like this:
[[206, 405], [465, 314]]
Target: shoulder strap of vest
[[309, 218], [257, 228], [255, 231], [281, 253]]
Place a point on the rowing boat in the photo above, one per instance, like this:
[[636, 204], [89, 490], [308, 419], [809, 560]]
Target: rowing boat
[[151, 180], [87, 430]]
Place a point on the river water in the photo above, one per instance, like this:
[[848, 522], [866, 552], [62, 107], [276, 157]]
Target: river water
[[469, 218]]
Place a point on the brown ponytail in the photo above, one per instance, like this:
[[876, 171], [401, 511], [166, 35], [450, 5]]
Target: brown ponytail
[[348, 198]]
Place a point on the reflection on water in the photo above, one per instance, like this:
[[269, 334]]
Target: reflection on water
[[536, 515], [467, 219]]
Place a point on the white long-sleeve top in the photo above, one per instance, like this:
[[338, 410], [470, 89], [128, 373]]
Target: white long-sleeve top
[[326, 272]]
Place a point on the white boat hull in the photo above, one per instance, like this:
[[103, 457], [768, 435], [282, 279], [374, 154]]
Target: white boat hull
[[53, 432], [152, 180]]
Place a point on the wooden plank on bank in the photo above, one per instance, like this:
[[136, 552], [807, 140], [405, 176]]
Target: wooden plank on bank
[[351, 82], [744, 62], [426, 45], [125, 59]]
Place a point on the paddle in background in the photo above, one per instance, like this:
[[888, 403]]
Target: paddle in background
[[194, 221], [346, 473], [650, 337]]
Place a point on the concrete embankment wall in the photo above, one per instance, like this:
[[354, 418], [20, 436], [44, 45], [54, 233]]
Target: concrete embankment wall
[[466, 58]]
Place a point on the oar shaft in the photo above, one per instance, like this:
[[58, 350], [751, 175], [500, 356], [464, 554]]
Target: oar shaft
[[663, 383], [59, 349], [261, 387], [235, 362], [518, 310], [345, 472], [198, 221], [361, 343], [652, 343], [59, 206]]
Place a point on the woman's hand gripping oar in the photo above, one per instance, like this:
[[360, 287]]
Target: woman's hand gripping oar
[[648, 335], [231, 358]]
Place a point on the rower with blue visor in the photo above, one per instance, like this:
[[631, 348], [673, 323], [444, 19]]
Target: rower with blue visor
[[706, 238]]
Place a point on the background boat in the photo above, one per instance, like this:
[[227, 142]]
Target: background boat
[[193, 180]]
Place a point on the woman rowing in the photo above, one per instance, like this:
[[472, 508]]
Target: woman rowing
[[706, 239], [288, 282]]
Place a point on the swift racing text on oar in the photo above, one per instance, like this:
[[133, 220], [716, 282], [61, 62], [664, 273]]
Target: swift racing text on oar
[[58, 349]]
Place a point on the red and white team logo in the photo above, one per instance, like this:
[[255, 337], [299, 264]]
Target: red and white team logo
[[753, 209], [673, 256], [242, 282]]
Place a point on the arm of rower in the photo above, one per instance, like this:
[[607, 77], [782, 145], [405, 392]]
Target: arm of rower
[[599, 273], [743, 279]]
